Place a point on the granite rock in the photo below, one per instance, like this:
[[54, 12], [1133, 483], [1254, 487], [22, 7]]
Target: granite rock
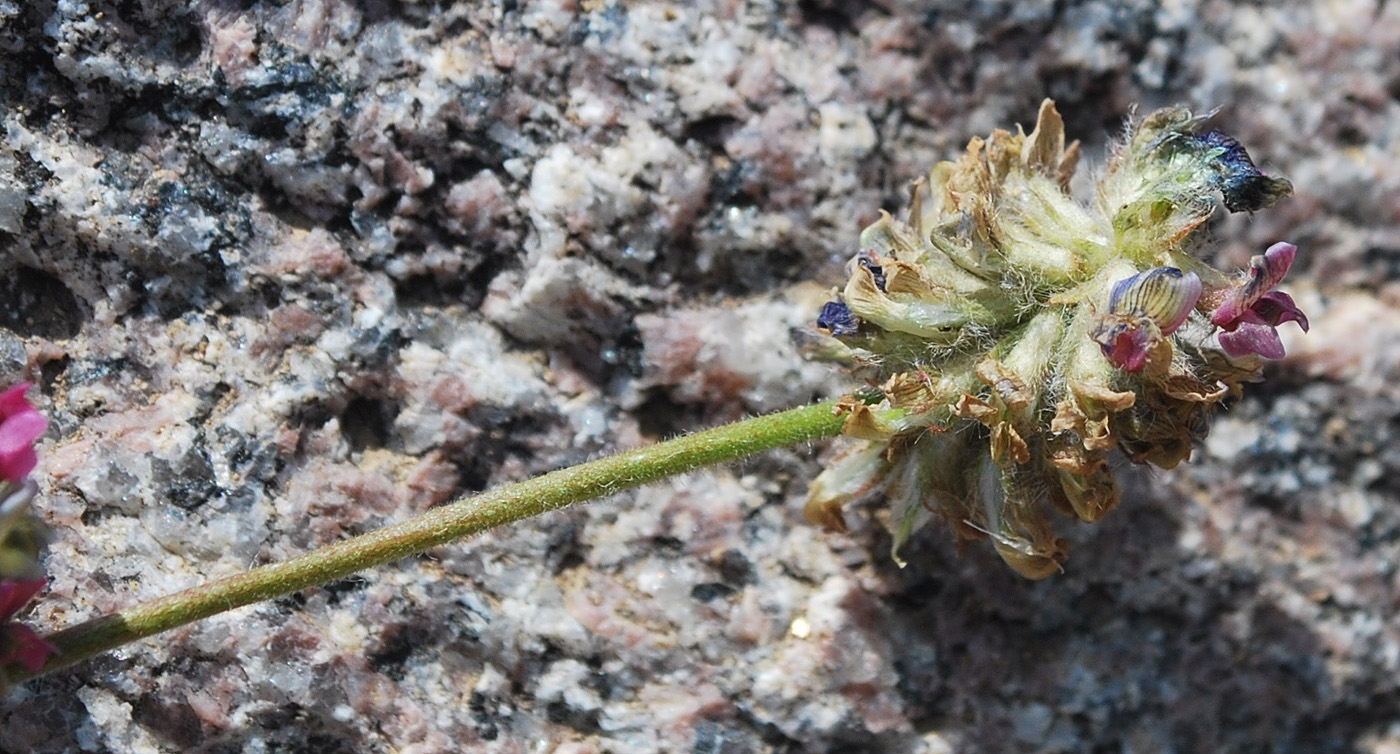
[[287, 272]]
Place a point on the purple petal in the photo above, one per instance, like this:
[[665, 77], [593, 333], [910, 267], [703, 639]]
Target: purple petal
[[837, 319], [1242, 185], [1265, 271], [1252, 337], [1276, 307], [1166, 295], [1276, 262]]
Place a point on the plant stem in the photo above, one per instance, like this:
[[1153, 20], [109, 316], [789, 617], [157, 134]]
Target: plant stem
[[463, 518]]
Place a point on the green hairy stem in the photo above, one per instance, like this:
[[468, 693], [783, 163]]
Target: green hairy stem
[[439, 526]]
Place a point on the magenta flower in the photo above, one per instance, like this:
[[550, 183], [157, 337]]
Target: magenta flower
[[1142, 311], [1251, 312], [18, 642], [20, 426]]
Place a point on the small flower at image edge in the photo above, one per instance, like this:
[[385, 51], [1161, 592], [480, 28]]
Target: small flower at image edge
[[20, 425], [18, 642], [22, 534]]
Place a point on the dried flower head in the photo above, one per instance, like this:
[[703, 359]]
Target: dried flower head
[[1016, 340]]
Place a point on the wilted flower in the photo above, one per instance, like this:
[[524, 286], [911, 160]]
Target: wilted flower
[[1015, 339]]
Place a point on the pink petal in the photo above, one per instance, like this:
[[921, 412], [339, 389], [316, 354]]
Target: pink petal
[[16, 465], [1277, 260], [1252, 337], [20, 426], [24, 646], [1265, 271], [1129, 350], [22, 429], [16, 594], [12, 400]]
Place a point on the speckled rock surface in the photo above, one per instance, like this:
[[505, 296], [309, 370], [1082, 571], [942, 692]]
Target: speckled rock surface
[[285, 272]]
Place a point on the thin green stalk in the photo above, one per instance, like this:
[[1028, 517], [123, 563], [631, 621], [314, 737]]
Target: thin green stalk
[[464, 518]]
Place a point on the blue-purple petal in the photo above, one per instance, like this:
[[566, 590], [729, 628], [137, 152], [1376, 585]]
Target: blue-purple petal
[[838, 319]]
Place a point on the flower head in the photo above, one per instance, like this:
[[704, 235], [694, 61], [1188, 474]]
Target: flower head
[[1016, 341]]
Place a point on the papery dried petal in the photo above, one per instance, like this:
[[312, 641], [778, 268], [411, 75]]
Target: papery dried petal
[[1161, 431], [1008, 446], [864, 422], [1013, 339], [867, 260], [1044, 148], [1006, 384], [855, 472], [972, 407], [936, 320], [1086, 481], [1010, 516], [1028, 558]]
